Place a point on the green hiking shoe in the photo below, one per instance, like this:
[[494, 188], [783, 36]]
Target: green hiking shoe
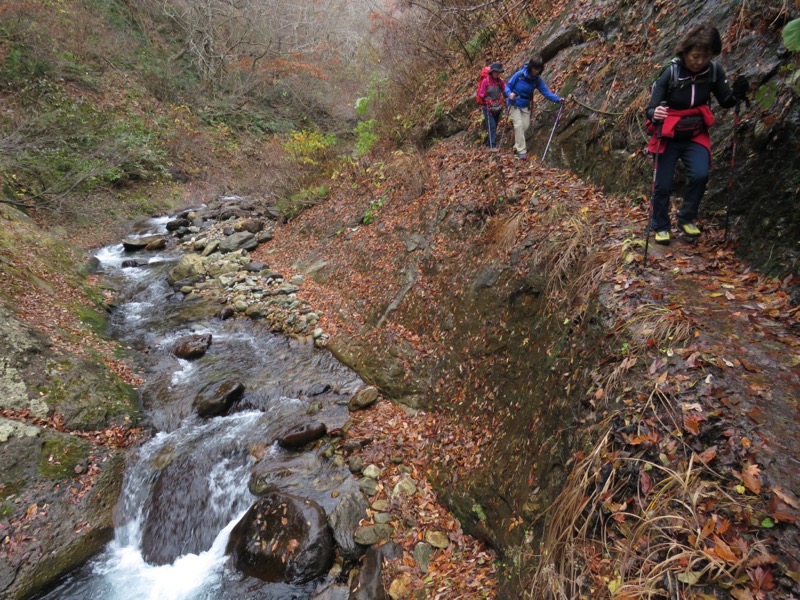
[[662, 237], [690, 229]]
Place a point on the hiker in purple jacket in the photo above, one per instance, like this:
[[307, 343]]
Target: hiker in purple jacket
[[519, 90]]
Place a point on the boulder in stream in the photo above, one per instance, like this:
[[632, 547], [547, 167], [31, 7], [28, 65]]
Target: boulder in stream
[[149, 242], [217, 398], [301, 435], [193, 346], [282, 538]]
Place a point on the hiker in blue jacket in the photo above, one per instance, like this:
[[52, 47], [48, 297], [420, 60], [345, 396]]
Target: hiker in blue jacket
[[519, 91]]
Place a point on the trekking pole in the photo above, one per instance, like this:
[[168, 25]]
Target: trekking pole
[[486, 116], [730, 178], [652, 192], [499, 134], [558, 116]]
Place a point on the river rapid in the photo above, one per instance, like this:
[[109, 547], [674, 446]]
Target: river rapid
[[186, 486]]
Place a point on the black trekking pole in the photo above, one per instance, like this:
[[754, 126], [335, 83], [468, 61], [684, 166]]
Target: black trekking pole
[[486, 116], [558, 116], [730, 178], [652, 191]]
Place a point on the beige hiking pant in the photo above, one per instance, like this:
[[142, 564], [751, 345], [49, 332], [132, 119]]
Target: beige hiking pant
[[521, 118]]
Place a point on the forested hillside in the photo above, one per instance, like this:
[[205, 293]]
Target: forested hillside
[[578, 422]]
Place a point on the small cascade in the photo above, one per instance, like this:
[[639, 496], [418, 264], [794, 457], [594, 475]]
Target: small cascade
[[187, 486]]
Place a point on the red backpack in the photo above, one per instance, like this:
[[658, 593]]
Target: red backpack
[[484, 75], [494, 94]]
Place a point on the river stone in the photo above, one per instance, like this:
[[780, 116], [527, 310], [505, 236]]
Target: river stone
[[190, 267], [381, 505], [302, 435], [344, 520], [286, 289], [216, 398], [372, 471], [255, 266], [368, 485], [422, 554], [405, 486], [282, 538], [176, 224], [355, 464], [134, 244], [238, 241], [363, 398], [259, 310], [366, 584], [193, 346], [382, 518], [249, 224], [210, 248], [400, 588], [283, 473], [437, 539], [369, 535]]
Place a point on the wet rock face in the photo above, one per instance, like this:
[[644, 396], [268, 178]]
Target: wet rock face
[[177, 492], [282, 538]]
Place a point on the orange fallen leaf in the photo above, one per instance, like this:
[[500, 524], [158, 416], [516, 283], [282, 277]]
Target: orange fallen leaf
[[750, 478]]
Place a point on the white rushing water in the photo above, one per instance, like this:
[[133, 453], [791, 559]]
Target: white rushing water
[[187, 486]]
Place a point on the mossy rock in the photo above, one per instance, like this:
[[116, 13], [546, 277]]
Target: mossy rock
[[61, 456], [88, 395]]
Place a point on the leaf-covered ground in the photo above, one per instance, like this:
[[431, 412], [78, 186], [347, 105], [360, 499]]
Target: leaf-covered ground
[[695, 468]]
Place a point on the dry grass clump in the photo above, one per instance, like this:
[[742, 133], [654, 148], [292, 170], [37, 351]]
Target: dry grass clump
[[652, 324], [626, 526], [575, 263], [410, 169], [503, 232]]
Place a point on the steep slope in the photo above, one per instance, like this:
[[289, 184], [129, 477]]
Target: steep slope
[[566, 381]]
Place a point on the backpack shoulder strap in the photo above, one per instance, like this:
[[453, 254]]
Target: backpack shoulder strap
[[714, 72], [675, 71]]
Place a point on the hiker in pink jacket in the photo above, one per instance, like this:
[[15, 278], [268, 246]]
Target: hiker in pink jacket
[[490, 96]]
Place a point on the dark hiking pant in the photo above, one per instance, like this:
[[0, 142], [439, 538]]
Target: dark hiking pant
[[696, 160], [491, 125]]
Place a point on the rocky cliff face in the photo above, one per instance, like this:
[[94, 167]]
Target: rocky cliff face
[[607, 54]]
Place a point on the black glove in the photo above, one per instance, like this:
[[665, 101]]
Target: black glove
[[740, 88]]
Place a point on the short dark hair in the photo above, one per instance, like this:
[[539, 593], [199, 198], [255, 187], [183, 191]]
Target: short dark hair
[[704, 37], [536, 64]]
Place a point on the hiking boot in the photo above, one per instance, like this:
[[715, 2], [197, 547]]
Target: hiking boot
[[494, 149], [662, 237], [689, 229], [522, 156]]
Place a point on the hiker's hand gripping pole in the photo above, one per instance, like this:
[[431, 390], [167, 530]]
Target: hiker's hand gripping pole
[[659, 127]]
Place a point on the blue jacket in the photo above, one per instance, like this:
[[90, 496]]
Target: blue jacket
[[523, 85]]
